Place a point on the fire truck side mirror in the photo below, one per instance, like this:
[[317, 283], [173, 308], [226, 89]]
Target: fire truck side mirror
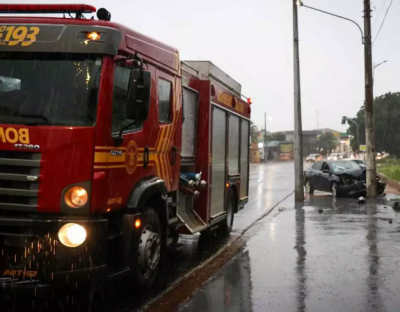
[[139, 94]]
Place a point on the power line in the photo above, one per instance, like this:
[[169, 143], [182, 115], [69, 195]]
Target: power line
[[379, 11], [384, 19]]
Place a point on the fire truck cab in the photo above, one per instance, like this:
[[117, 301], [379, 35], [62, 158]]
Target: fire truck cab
[[110, 147]]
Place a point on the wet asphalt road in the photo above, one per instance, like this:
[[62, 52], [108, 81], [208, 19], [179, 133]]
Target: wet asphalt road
[[345, 258], [269, 185]]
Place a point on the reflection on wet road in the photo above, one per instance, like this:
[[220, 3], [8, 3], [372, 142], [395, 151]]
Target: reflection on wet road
[[345, 258], [269, 185]]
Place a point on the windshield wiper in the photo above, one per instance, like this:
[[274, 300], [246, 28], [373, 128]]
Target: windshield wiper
[[45, 120], [35, 116]]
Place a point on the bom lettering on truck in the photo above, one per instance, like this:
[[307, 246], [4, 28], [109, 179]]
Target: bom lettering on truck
[[12, 135]]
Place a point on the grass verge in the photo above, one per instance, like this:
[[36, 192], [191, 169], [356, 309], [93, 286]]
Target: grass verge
[[389, 167]]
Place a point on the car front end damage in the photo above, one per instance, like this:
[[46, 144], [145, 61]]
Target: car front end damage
[[350, 186]]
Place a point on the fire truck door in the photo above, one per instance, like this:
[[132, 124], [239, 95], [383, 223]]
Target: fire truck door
[[244, 158], [165, 152], [233, 145], [218, 166]]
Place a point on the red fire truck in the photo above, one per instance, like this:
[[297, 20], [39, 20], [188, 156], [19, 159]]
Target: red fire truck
[[110, 147]]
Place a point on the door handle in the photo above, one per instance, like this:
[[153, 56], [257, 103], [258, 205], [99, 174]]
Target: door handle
[[146, 157], [173, 155]]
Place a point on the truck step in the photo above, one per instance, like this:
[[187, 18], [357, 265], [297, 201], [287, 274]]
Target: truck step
[[192, 221]]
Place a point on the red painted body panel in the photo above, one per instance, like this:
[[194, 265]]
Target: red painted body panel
[[230, 101], [112, 191], [81, 154], [67, 158], [132, 41], [113, 185]]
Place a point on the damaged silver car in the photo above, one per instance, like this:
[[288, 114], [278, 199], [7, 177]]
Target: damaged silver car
[[341, 178]]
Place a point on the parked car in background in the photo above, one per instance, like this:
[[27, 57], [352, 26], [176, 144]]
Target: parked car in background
[[334, 156], [378, 156], [313, 158], [340, 177]]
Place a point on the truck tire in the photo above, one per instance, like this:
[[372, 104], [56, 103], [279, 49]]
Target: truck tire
[[227, 223], [147, 250]]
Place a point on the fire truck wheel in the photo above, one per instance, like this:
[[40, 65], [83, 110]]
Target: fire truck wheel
[[227, 224], [147, 250]]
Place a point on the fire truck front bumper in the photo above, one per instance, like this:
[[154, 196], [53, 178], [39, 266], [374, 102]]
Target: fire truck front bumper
[[32, 252]]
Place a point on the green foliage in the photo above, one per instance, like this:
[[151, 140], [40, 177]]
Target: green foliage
[[388, 161], [391, 171], [387, 117], [390, 167], [327, 141], [277, 136], [253, 132]]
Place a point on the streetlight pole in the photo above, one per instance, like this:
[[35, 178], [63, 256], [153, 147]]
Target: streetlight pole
[[369, 108], [298, 133], [375, 66]]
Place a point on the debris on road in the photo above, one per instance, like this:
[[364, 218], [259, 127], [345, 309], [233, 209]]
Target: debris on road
[[361, 200]]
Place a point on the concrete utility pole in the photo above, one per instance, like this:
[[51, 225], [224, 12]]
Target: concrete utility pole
[[298, 137], [369, 104], [265, 126]]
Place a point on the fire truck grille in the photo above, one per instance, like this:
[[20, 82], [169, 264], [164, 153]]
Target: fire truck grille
[[19, 185]]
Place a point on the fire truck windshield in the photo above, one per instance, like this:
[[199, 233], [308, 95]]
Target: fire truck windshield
[[49, 89]]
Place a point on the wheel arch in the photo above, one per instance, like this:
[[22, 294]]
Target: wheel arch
[[144, 191], [150, 192]]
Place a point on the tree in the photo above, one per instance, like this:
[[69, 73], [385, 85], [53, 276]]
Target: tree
[[387, 116], [327, 141], [253, 132], [277, 136]]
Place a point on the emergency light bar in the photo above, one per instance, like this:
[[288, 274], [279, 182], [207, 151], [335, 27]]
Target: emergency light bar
[[46, 8]]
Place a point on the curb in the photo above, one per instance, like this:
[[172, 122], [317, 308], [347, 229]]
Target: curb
[[390, 182], [222, 250]]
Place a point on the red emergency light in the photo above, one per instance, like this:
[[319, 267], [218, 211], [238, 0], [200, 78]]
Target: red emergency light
[[249, 101], [46, 8]]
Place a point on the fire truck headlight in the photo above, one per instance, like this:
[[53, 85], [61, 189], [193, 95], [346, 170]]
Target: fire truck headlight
[[72, 235], [76, 197]]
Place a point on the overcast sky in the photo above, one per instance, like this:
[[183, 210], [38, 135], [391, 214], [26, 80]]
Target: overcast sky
[[251, 40]]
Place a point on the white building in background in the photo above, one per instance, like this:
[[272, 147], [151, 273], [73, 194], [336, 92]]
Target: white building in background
[[344, 143]]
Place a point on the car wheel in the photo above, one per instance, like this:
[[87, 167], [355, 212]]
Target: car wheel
[[335, 189], [308, 187]]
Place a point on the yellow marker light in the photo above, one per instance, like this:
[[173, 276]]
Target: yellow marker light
[[138, 223], [72, 235], [76, 197], [94, 36], [227, 184]]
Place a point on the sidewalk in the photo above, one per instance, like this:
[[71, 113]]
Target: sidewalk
[[392, 191], [343, 258]]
